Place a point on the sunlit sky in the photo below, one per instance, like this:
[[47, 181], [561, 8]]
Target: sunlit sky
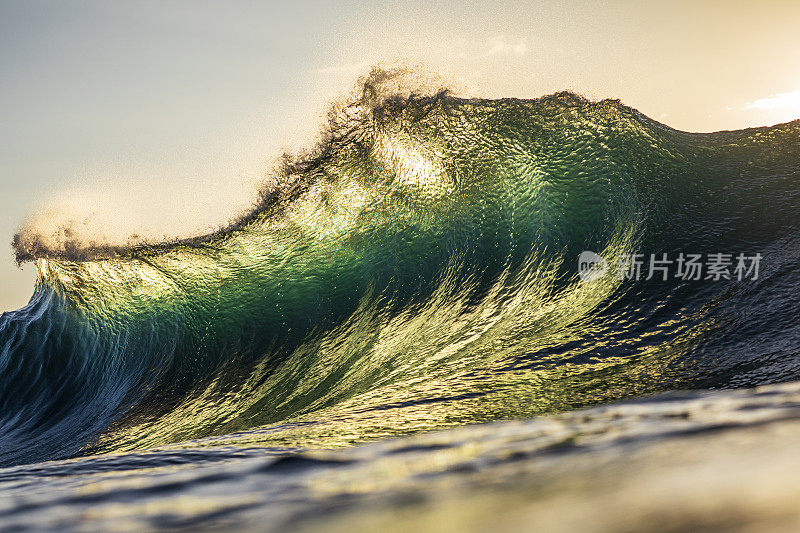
[[162, 114]]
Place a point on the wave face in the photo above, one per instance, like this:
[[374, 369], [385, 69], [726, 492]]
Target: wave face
[[419, 271]]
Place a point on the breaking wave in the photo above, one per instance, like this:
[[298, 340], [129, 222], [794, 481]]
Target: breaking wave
[[418, 270]]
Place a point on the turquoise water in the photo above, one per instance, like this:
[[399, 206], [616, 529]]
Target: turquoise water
[[418, 271]]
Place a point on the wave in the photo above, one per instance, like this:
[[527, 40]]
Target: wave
[[418, 270]]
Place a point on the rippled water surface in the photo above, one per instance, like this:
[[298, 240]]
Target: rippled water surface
[[418, 272]]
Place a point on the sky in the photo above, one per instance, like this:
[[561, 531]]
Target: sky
[[162, 117]]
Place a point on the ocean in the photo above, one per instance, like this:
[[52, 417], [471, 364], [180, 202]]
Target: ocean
[[419, 270]]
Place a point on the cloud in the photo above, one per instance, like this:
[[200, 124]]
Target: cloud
[[502, 46], [777, 101], [471, 49], [439, 57]]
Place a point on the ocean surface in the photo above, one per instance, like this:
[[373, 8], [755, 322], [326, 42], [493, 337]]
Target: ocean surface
[[418, 271]]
